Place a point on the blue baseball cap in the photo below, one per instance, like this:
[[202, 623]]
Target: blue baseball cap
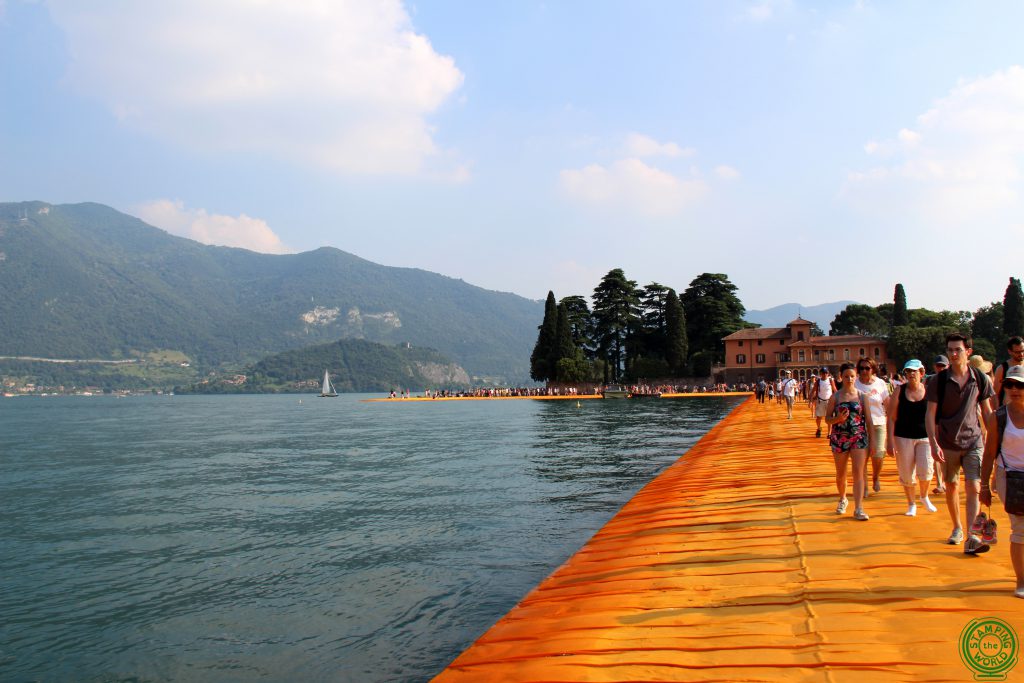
[[913, 364]]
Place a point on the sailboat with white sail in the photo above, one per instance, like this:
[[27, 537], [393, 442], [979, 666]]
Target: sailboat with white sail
[[328, 389]]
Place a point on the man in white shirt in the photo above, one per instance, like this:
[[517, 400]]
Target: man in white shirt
[[789, 386], [877, 393]]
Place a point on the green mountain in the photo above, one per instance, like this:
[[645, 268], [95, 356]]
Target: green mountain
[[85, 281], [355, 365]]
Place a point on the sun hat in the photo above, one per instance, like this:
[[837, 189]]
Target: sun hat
[[1016, 373], [980, 363], [940, 360], [913, 364]]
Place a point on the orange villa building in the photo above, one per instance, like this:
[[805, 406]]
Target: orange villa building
[[764, 352]]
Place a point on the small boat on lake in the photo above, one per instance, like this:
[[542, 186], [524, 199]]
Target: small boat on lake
[[615, 391], [328, 389]]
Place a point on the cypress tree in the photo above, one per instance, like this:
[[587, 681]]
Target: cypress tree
[[675, 327], [900, 316], [541, 367], [1013, 309], [564, 346]]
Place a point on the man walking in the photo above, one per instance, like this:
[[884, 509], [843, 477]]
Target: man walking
[[1015, 353], [821, 391], [789, 392], [954, 432]]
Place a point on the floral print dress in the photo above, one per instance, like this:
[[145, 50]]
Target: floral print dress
[[853, 432]]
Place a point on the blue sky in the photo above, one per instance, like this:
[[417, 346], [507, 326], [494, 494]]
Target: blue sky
[[811, 151]]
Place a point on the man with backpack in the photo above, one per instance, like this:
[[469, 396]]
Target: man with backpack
[[1015, 353], [954, 432]]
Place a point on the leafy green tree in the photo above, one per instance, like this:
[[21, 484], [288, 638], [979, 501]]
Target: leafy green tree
[[701, 363], [959, 320], [900, 316], [540, 360], [987, 325], [816, 330], [564, 346], [922, 343], [712, 311], [580, 321], [616, 313], [675, 333], [574, 370], [859, 319], [652, 335], [1013, 309]]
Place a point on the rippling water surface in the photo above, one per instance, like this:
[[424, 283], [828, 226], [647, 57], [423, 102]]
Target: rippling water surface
[[232, 538]]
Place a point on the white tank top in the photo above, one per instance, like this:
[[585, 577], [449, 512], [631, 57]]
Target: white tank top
[[1013, 446], [824, 389]]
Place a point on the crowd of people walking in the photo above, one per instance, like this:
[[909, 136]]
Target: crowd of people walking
[[962, 423]]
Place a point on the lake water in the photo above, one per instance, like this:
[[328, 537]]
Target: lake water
[[287, 538]]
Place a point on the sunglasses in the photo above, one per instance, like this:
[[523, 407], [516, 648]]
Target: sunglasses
[[1013, 385], [864, 368]]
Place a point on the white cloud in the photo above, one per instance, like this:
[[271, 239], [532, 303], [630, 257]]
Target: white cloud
[[633, 185], [766, 9], [227, 231], [639, 145], [962, 164], [346, 85], [726, 172]]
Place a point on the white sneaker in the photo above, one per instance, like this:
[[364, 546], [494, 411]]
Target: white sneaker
[[911, 511], [928, 505]]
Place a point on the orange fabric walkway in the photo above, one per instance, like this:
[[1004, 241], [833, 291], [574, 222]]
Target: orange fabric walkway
[[733, 566]]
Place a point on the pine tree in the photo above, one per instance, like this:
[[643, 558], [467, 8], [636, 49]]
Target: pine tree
[[1013, 309], [675, 328], [541, 367], [900, 316], [713, 311], [616, 314]]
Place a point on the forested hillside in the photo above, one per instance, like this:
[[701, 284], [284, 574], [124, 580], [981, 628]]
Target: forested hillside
[[355, 365], [85, 281]]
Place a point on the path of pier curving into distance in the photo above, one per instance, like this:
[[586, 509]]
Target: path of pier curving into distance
[[732, 565]]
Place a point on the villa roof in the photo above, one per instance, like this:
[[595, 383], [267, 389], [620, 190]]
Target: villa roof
[[760, 333], [798, 321]]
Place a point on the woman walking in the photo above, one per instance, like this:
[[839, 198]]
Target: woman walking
[[908, 437], [849, 418], [1006, 452], [877, 392]]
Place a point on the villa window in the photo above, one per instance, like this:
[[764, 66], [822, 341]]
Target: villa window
[[782, 342], [741, 342], [862, 353], [877, 354], [759, 358], [831, 354], [846, 354], [800, 336], [760, 342], [741, 358], [800, 355]]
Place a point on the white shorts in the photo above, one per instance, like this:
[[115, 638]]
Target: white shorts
[[913, 460]]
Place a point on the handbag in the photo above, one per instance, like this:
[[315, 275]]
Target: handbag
[[1013, 502]]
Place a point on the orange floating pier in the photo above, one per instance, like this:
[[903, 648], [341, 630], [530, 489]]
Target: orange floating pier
[[732, 565]]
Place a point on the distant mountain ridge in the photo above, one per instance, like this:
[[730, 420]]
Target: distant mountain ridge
[[778, 316], [86, 281]]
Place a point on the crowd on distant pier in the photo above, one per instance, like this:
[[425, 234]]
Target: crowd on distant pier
[[576, 390]]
